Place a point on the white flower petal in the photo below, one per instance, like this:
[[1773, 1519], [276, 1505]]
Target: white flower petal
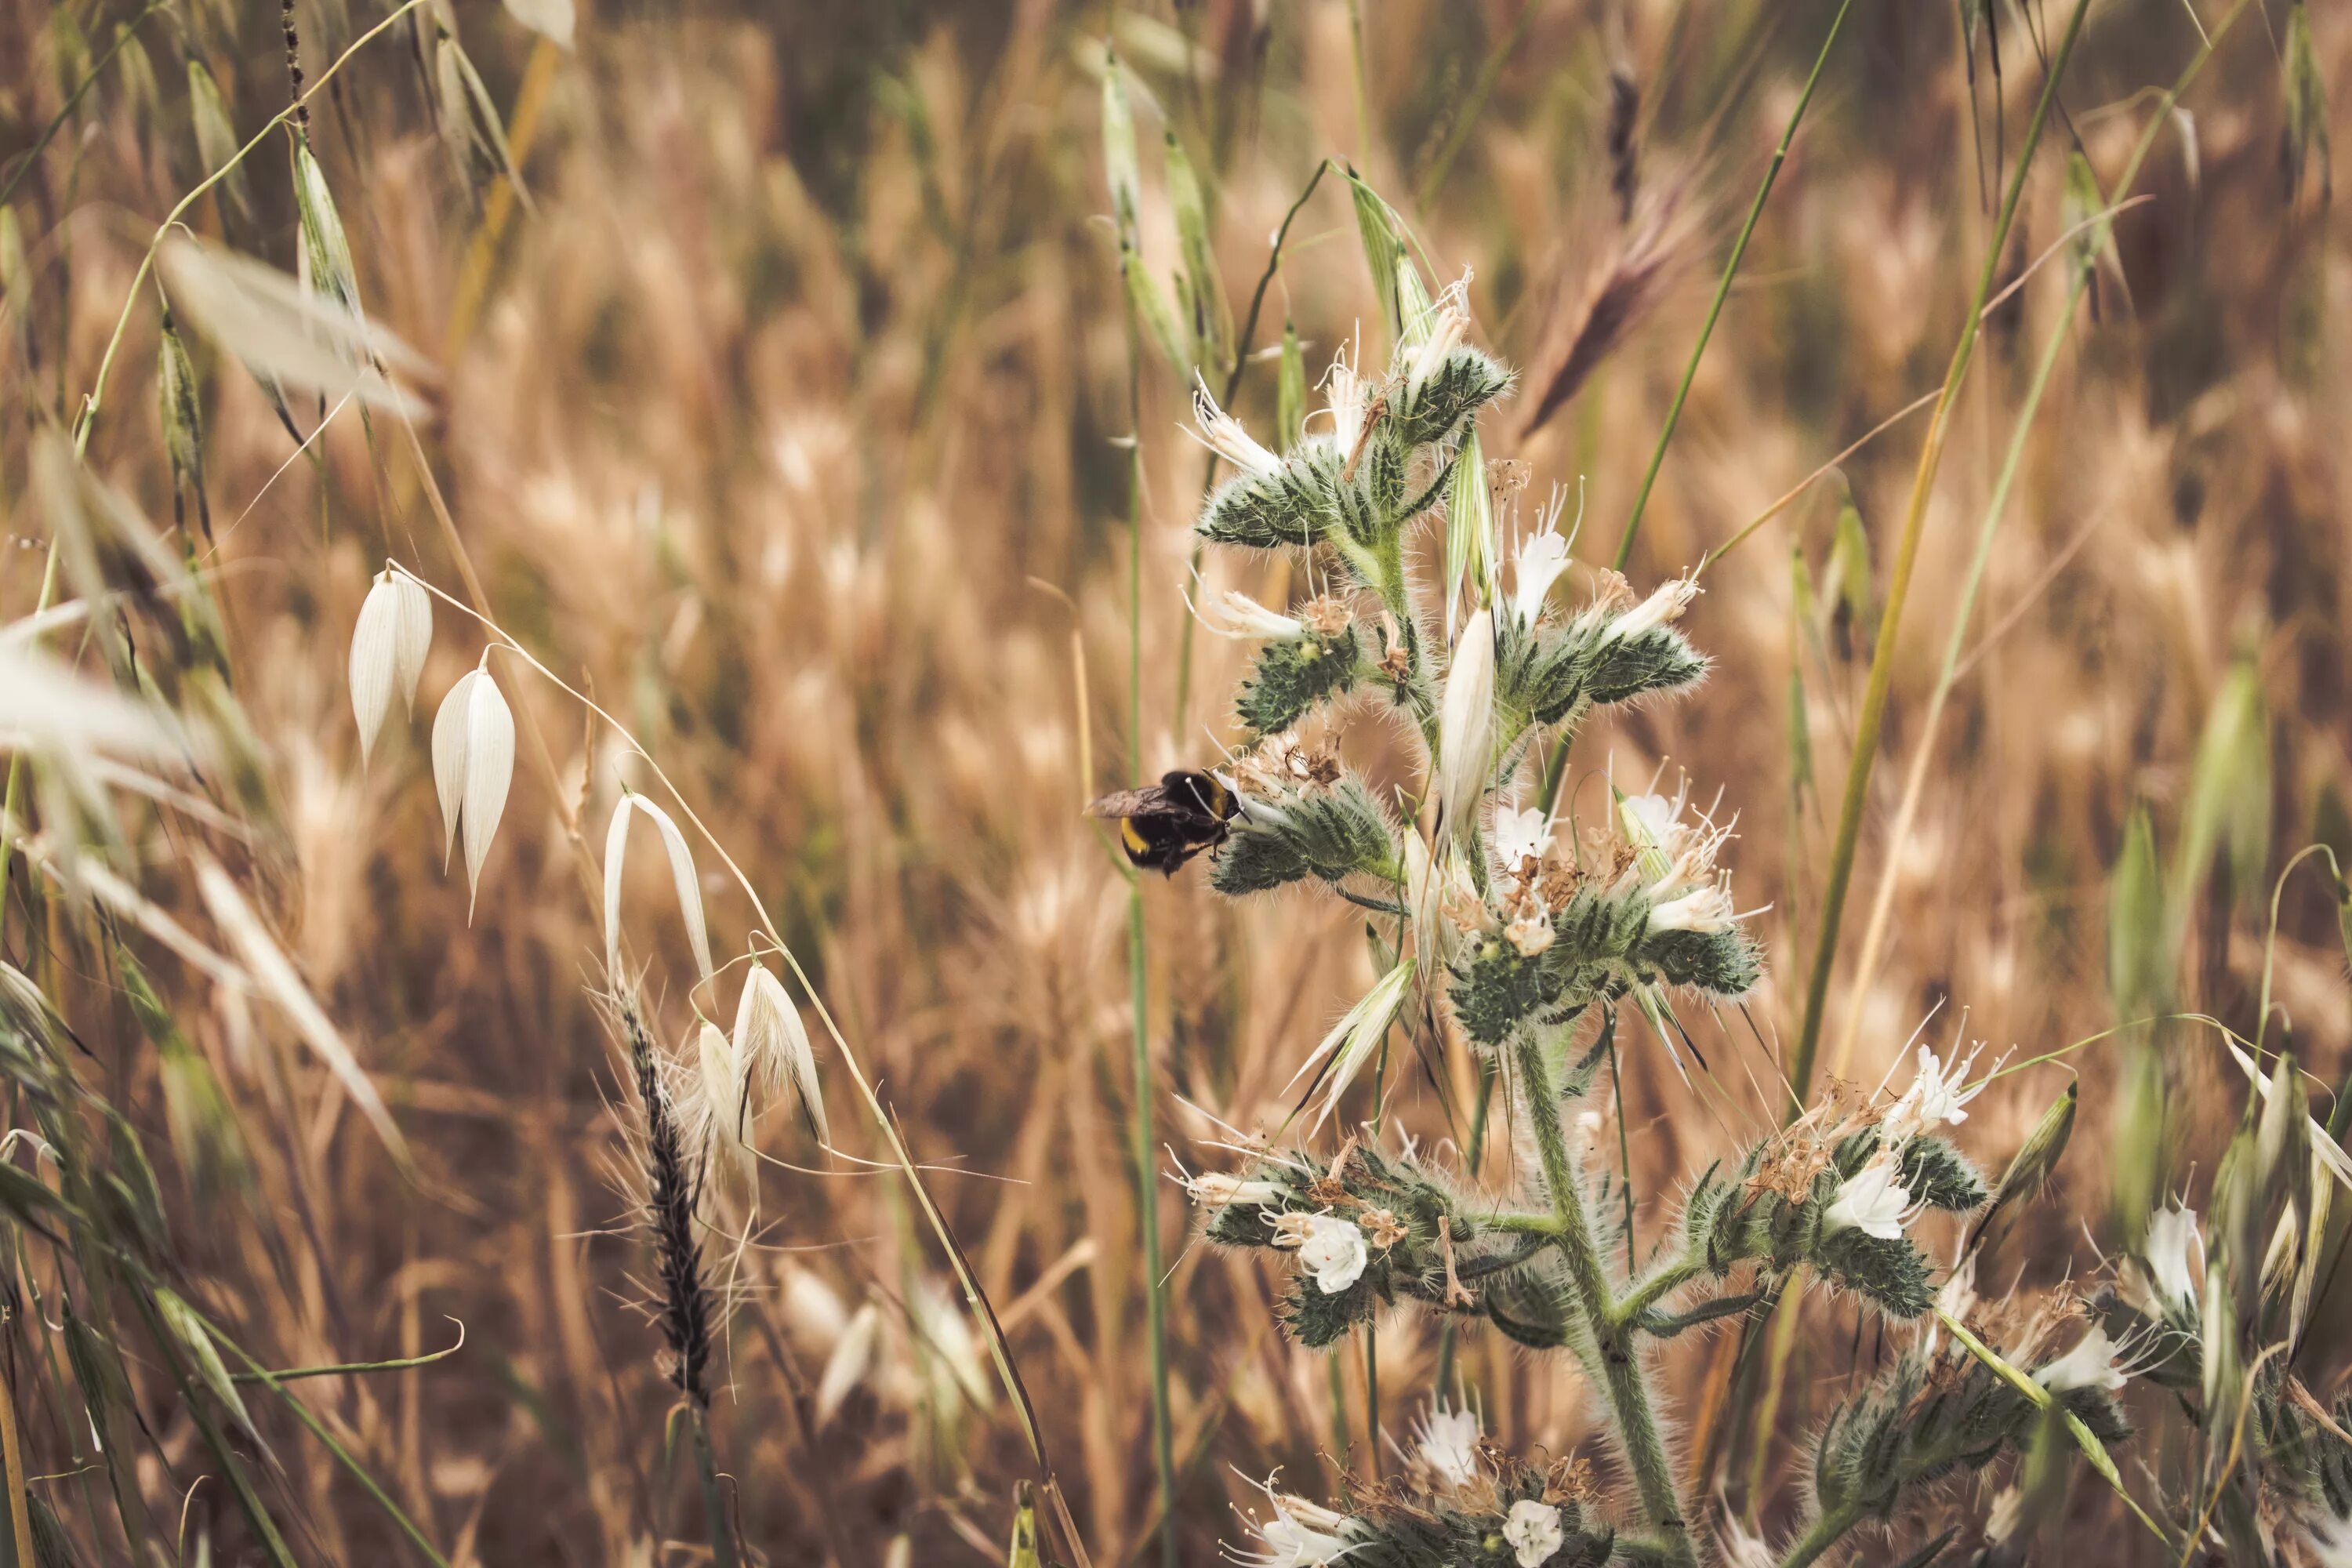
[[726, 1102], [449, 757], [1447, 1441], [375, 639], [1465, 722], [853, 1356], [1533, 1532], [616, 849], [412, 634], [1519, 834], [771, 1045], [489, 769], [1226, 435], [1333, 1252]]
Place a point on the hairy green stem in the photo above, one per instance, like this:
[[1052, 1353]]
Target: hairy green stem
[[1882, 661], [1656, 1285], [1470, 1151], [1823, 1535], [1621, 1369], [1723, 287]]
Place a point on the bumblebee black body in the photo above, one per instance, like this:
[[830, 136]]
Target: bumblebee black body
[[1166, 825]]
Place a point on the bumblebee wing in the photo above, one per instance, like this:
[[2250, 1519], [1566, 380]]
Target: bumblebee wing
[[1128, 803]]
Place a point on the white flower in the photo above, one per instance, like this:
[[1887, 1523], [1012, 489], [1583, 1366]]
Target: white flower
[[1676, 864], [1541, 557], [1870, 1201], [2171, 1237], [1224, 435], [1448, 321], [1935, 1097], [1356, 1036], [1741, 1550], [1446, 1442], [1666, 604], [1301, 1534], [1531, 935], [1519, 834], [1706, 909], [1345, 390], [1466, 721], [1652, 818], [1333, 1252], [1218, 1189], [1234, 613], [2008, 1513], [389, 642], [2090, 1365], [1533, 1532]]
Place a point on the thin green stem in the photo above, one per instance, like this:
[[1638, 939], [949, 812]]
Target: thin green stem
[[352, 1368], [408, 1526], [1723, 287], [714, 1499], [1620, 1370], [1146, 1199], [1882, 662], [1989, 525]]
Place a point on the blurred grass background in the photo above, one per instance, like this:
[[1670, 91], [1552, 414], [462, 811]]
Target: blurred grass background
[[784, 418]]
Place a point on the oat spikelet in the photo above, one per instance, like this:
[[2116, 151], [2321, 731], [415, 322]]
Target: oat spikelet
[[673, 1190]]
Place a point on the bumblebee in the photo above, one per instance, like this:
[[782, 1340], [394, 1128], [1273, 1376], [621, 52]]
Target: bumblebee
[[1168, 824]]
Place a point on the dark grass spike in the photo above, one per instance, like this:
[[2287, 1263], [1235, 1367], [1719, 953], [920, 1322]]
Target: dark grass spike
[[1623, 140], [673, 1192], [294, 69]]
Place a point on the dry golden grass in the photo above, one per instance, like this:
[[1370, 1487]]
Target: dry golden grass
[[786, 428]]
